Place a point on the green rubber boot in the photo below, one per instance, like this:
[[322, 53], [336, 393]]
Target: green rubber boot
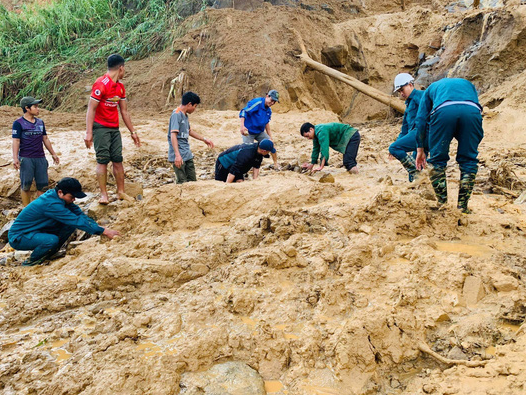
[[438, 181], [467, 181], [409, 164]]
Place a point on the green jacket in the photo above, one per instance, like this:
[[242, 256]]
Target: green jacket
[[334, 135]]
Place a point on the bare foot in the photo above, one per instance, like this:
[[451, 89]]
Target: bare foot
[[354, 170], [104, 199], [124, 196]]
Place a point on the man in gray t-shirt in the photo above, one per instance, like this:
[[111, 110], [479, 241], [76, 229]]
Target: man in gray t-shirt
[[179, 153]]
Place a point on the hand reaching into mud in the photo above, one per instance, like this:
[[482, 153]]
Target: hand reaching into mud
[[110, 233], [420, 159]]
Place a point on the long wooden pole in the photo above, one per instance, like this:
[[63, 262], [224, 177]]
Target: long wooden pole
[[376, 94]]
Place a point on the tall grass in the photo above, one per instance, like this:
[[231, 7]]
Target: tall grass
[[45, 48]]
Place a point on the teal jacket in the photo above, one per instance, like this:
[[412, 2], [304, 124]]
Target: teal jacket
[[334, 135], [51, 212], [411, 109], [439, 92]]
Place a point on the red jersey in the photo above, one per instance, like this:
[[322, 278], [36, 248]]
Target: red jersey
[[108, 94]]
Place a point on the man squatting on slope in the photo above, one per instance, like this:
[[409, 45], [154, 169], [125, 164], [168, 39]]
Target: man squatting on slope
[[340, 137], [452, 109], [232, 164], [406, 140], [48, 222], [179, 130], [255, 120], [102, 126], [29, 137]]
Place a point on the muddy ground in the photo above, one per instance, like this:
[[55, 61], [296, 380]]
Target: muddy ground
[[321, 288]]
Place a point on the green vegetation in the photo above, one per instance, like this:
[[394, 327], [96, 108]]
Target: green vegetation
[[45, 48]]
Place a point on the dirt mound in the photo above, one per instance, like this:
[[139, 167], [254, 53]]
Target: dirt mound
[[322, 288]]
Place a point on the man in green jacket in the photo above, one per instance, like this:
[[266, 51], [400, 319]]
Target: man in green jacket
[[340, 137]]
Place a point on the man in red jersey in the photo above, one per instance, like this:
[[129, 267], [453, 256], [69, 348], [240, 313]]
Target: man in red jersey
[[102, 126]]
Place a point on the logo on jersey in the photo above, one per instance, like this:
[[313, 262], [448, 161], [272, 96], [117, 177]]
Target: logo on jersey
[[97, 92], [114, 99]]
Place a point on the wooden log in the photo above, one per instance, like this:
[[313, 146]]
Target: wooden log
[[374, 93]]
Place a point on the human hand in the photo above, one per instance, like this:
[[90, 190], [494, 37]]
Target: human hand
[[178, 161], [88, 140], [56, 160], [110, 233], [319, 168], [276, 166], [390, 157], [136, 139], [307, 166], [420, 159], [244, 131], [209, 142], [16, 163]]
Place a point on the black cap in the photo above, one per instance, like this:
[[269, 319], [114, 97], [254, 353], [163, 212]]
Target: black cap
[[71, 185], [28, 101]]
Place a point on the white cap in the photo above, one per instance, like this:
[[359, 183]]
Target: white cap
[[401, 80]]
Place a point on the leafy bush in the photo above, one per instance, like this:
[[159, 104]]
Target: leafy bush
[[45, 48]]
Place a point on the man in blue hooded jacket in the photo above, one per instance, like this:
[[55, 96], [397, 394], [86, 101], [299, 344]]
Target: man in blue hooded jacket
[[452, 109], [255, 120], [48, 222]]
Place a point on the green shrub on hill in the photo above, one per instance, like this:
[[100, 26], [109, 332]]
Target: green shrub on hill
[[45, 48]]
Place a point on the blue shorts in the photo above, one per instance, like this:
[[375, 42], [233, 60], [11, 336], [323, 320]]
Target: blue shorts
[[33, 169]]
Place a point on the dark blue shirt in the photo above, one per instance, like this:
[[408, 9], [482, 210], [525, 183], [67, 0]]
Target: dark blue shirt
[[31, 135], [256, 115], [51, 212], [239, 159], [411, 108], [439, 92]]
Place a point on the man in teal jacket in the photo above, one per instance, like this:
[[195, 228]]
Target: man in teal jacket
[[406, 140], [340, 137], [452, 109], [48, 222]]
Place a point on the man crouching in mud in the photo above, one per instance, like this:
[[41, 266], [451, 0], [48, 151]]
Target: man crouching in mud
[[48, 222], [232, 164], [340, 137]]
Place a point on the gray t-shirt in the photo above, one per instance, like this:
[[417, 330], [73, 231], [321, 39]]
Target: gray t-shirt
[[179, 121]]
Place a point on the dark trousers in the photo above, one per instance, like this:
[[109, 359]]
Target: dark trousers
[[349, 157], [403, 145], [186, 172], [43, 244], [462, 122], [222, 173]]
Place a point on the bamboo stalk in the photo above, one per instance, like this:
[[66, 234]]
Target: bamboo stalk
[[374, 93]]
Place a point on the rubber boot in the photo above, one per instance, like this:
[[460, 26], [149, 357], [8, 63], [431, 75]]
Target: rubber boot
[[467, 181], [409, 164], [438, 181]]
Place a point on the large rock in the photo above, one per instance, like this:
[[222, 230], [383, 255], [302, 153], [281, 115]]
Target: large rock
[[335, 56], [473, 290], [243, 5], [230, 378]]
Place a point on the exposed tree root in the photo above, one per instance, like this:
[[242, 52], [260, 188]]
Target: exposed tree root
[[472, 364]]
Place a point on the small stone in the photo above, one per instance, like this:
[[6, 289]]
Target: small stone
[[456, 353], [327, 178]]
